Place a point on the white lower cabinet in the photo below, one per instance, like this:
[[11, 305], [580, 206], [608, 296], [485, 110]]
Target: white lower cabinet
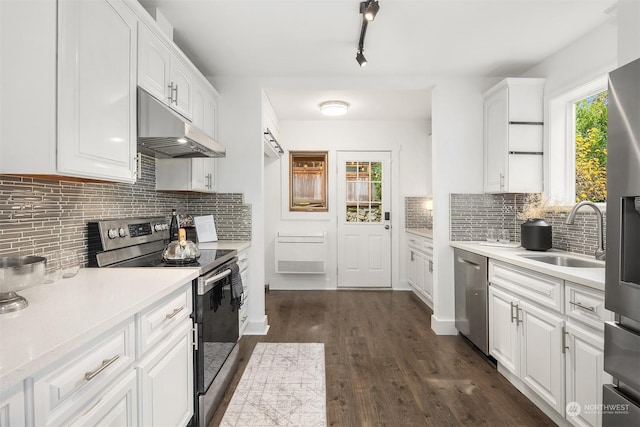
[[542, 358], [117, 407], [70, 388], [420, 267], [165, 376], [504, 337], [12, 407], [585, 373], [554, 349], [138, 373]]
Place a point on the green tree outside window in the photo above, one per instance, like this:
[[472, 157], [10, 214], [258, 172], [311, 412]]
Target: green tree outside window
[[591, 148]]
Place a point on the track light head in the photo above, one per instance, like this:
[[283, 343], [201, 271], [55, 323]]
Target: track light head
[[362, 61], [369, 9]]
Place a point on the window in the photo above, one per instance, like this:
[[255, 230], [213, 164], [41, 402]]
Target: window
[[308, 181], [575, 152], [590, 129], [364, 191]]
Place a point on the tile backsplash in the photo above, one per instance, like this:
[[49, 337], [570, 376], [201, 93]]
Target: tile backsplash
[[473, 214], [39, 217], [416, 215]]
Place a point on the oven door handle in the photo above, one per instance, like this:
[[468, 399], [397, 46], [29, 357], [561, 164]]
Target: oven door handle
[[208, 283]]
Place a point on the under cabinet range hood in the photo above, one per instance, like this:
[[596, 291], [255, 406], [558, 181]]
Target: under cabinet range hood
[[162, 133]]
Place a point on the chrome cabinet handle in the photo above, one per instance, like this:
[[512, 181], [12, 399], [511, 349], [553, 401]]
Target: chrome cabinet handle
[[195, 336], [105, 364], [584, 307], [175, 100], [174, 313], [413, 256], [565, 347], [170, 97], [430, 266], [501, 181], [518, 310], [512, 307]]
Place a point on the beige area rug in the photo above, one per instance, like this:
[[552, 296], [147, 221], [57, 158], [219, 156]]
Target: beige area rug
[[282, 385]]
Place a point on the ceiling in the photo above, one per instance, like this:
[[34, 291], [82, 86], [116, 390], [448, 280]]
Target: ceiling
[[316, 40]]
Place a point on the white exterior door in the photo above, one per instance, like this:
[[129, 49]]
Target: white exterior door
[[364, 235]]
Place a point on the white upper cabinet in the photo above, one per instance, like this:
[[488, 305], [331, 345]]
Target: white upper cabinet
[[270, 130], [69, 105], [205, 110], [513, 139], [163, 74]]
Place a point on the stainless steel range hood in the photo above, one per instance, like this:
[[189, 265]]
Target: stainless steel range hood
[[162, 133]]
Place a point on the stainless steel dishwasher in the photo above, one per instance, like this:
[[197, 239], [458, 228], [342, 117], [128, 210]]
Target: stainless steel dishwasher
[[471, 290]]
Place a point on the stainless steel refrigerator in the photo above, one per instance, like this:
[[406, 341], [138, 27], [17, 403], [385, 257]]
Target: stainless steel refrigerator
[[621, 400]]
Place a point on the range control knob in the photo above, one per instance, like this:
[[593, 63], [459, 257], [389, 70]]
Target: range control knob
[[112, 233], [157, 227], [122, 232]]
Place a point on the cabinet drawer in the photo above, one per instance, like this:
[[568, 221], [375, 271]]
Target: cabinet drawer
[[537, 287], [586, 305], [161, 318], [420, 244], [61, 392]]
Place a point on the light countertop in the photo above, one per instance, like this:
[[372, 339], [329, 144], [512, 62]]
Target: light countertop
[[422, 232], [68, 313], [592, 277], [225, 244]]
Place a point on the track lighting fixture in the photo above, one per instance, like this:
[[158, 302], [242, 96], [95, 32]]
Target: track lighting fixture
[[362, 61], [369, 9]]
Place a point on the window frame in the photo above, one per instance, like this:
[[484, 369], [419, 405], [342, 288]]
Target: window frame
[[561, 162], [325, 181]]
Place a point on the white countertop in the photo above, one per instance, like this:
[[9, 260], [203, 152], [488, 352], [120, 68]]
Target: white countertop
[[422, 232], [68, 313], [592, 277], [238, 245]]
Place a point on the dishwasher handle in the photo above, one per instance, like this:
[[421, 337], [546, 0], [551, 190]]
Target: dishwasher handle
[[471, 263]]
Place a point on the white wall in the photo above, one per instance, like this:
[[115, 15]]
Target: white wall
[[410, 169], [457, 168], [240, 130], [628, 31]]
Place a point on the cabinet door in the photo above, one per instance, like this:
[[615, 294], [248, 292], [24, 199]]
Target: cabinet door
[[504, 339], [12, 408], [182, 81], [210, 124], [542, 361], [496, 132], [166, 380], [421, 271], [97, 90], [411, 268], [117, 407], [153, 64], [585, 373], [428, 277]]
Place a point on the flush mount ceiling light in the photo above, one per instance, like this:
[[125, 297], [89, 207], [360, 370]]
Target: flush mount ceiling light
[[369, 9], [334, 108]]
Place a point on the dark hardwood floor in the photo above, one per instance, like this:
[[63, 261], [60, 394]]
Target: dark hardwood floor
[[386, 367]]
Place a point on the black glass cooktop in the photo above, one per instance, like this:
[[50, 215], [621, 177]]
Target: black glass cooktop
[[209, 260]]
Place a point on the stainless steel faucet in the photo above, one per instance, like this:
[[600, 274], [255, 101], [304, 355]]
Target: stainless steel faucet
[[600, 252]]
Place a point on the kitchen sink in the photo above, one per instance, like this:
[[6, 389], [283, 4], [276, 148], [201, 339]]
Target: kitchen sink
[[564, 261]]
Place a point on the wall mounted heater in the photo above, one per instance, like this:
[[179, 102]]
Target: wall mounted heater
[[301, 253]]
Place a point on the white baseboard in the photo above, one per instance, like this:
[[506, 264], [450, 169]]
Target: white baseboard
[[257, 328], [443, 326]]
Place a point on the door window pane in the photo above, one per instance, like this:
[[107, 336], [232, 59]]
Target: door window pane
[[364, 191]]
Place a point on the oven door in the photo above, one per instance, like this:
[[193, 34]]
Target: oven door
[[217, 322]]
